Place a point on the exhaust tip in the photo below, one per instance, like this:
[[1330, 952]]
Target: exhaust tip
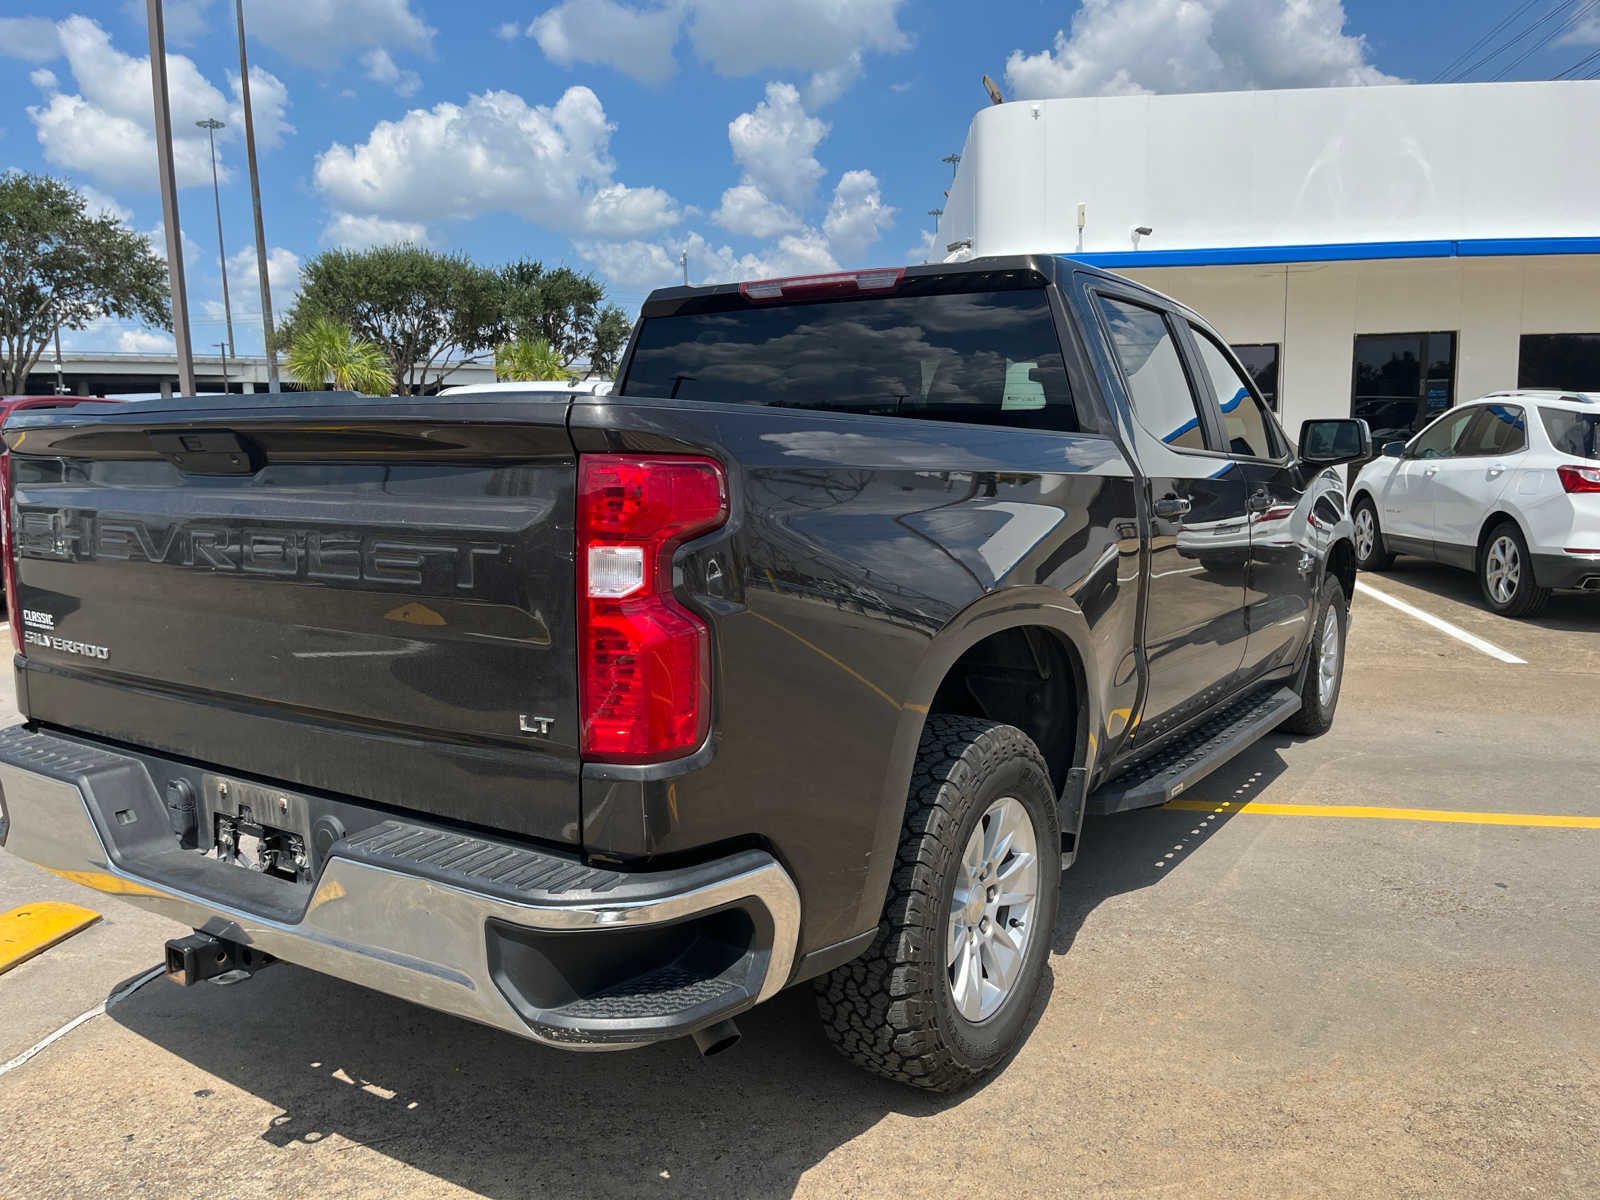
[[714, 1039]]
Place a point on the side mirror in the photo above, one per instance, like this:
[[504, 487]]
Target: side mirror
[[1329, 443], [1394, 449]]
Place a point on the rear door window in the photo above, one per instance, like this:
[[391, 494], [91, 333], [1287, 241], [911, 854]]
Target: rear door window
[[1242, 418], [1497, 429], [990, 358], [1158, 386]]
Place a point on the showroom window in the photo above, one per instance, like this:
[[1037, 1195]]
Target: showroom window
[[1562, 361], [1402, 381], [1261, 360]]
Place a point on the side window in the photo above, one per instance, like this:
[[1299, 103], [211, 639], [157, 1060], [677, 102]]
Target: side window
[[1242, 420], [1438, 440], [1157, 384], [1497, 429]]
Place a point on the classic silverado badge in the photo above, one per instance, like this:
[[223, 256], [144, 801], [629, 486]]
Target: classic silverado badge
[[36, 625]]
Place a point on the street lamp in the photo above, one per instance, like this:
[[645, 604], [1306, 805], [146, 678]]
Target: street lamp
[[211, 125]]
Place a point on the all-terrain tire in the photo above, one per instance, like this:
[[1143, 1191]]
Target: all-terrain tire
[[1317, 700], [892, 1010]]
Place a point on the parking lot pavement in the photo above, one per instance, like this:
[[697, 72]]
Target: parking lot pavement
[[1241, 1003]]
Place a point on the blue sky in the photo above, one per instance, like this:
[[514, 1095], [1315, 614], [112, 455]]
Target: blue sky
[[766, 136]]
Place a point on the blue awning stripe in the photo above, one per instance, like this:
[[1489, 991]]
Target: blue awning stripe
[[1340, 252]]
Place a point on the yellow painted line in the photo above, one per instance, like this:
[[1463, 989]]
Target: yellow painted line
[[1449, 815], [33, 928]]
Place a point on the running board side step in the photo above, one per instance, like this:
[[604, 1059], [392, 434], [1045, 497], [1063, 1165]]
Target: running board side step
[[1183, 763]]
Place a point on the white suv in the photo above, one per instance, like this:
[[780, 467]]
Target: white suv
[[1507, 486]]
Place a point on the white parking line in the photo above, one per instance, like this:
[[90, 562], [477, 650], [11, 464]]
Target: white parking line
[[116, 997], [1443, 626]]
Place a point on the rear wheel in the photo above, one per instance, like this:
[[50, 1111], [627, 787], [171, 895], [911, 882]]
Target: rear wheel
[[1505, 574], [1319, 694], [943, 993], [1370, 554]]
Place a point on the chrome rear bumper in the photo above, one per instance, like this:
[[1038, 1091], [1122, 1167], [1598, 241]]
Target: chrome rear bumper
[[427, 914]]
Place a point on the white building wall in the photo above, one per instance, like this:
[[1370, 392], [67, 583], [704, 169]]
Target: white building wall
[[1315, 310], [1281, 168]]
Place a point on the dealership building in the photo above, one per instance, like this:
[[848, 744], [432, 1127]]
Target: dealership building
[[1382, 251]]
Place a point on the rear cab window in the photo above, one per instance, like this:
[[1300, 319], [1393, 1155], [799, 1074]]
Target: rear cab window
[[988, 357]]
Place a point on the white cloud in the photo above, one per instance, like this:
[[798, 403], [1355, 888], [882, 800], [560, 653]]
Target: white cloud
[[105, 128], [356, 232], [157, 238], [637, 42], [144, 341], [99, 204], [1121, 47], [381, 68], [637, 265], [924, 251], [776, 145], [495, 153], [508, 31], [32, 39], [746, 209], [183, 20], [857, 217], [751, 36], [269, 100], [320, 32], [283, 273], [824, 87], [736, 37], [1584, 33]]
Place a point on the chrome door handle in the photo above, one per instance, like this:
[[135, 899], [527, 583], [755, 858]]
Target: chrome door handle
[[1171, 506], [1497, 469], [1431, 472]]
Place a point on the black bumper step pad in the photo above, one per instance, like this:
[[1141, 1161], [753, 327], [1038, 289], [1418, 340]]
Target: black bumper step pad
[[1184, 762]]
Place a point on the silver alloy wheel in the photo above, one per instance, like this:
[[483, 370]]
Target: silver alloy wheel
[[992, 909], [1328, 659], [1503, 568], [1366, 533]]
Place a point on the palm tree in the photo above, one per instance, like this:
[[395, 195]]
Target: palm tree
[[326, 351], [528, 359]]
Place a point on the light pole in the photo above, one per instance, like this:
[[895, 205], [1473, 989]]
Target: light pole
[[169, 195], [211, 125], [255, 203]]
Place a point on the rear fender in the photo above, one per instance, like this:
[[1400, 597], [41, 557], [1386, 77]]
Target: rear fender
[[1013, 608]]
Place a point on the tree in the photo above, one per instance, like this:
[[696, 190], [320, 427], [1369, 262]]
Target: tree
[[561, 306], [611, 332], [61, 268], [423, 309], [323, 351], [528, 359]]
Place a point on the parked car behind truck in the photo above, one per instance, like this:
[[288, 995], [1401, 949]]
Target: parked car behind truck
[[601, 719]]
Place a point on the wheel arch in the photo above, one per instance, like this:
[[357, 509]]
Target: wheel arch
[[993, 621], [1498, 517]]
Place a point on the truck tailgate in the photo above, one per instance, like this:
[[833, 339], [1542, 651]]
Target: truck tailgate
[[368, 596]]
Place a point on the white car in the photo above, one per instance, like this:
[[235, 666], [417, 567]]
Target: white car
[[1507, 486], [580, 387]]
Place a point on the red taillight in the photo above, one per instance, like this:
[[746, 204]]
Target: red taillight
[[1579, 479], [644, 660], [9, 568], [881, 279]]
